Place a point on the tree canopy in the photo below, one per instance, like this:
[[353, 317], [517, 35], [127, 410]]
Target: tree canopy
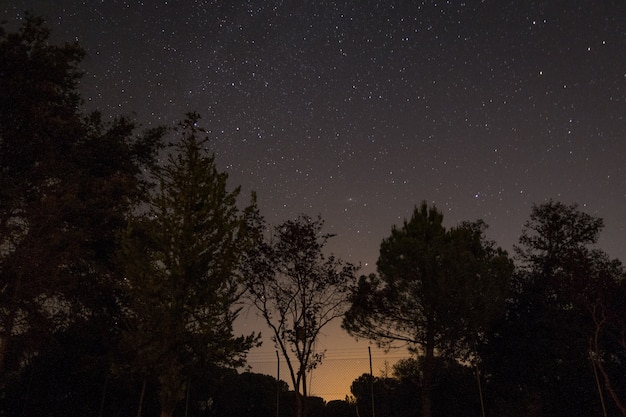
[[437, 290], [298, 290], [181, 282], [67, 183], [565, 299]]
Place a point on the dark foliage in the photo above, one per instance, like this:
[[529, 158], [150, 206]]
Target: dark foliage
[[339, 408], [541, 357], [298, 290], [454, 392], [438, 290], [67, 183], [181, 259]]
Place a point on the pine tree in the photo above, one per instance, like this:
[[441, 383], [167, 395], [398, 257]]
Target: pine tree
[[182, 256], [437, 290]]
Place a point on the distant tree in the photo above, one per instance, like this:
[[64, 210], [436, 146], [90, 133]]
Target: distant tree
[[181, 262], [245, 394], [71, 377], [67, 183], [339, 408], [289, 407], [315, 406], [298, 290], [454, 388], [407, 372], [554, 232], [385, 396], [437, 290]]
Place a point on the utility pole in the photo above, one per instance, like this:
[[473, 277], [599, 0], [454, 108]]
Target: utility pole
[[277, 385], [369, 350]]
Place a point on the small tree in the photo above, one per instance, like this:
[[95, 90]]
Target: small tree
[[298, 291], [437, 291], [181, 260]]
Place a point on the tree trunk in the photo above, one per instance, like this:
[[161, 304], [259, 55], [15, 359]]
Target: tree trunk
[[168, 405], [5, 336], [300, 381], [4, 343], [299, 410], [167, 412], [599, 323], [170, 397], [608, 385], [427, 375], [305, 395], [480, 392], [104, 394], [141, 396]]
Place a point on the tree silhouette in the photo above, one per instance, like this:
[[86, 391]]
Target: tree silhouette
[[298, 291], [246, 394], [339, 408], [566, 298], [437, 291], [67, 183], [181, 282]]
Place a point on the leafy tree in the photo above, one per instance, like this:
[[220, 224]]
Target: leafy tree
[[181, 260], [243, 394], [386, 399], [554, 232], [563, 272], [454, 389], [70, 378], [289, 405], [298, 291], [339, 408], [36, 102], [543, 355], [437, 290], [67, 182]]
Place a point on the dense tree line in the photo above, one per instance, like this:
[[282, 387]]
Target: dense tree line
[[549, 340], [125, 259], [119, 272]]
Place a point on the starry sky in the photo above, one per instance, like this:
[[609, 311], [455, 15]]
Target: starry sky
[[359, 110]]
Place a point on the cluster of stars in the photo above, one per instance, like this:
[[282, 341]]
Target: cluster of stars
[[482, 107]]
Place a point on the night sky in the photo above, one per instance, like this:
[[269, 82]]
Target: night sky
[[359, 110]]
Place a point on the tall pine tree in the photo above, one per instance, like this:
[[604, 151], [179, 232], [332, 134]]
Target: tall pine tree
[[182, 258]]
